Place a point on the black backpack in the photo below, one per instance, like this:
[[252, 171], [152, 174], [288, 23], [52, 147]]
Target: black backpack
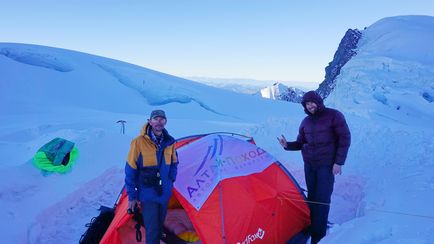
[[98, 226]]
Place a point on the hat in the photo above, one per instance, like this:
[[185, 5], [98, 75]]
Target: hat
[[158, 113]]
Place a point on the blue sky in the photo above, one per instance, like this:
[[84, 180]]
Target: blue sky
[[266, 40]]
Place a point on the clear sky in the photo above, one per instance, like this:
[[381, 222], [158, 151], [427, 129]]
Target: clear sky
[[258, 39]]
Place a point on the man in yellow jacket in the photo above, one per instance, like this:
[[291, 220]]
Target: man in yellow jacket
[[150, 171]]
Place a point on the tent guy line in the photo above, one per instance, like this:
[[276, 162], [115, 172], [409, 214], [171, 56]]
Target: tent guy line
[[369, 209]]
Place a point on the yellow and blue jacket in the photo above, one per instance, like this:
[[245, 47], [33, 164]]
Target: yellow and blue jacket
[[145, 158]]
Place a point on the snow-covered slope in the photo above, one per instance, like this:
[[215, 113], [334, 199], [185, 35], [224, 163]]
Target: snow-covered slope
[[49, 92], [390, 84], [385, 194], [392, 74], [75, 79]]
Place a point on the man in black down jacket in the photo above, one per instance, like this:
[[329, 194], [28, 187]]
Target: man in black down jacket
[[324, 139]]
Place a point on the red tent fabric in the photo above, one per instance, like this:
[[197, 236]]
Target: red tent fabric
[[121, 229], [262, 207]]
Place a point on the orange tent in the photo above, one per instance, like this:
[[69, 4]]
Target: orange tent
[[232, 192]]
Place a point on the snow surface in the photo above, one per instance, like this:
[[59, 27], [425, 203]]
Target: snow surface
[[388, 86], [386, 191]]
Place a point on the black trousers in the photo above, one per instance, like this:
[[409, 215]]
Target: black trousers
[[319, 182]]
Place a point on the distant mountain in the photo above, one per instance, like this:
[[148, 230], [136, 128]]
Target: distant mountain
[[251, 86], [235, 87], [279, 91]]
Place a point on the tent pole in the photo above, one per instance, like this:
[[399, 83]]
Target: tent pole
[[222, 212]]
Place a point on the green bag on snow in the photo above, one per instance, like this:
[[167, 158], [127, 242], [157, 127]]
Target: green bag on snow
[[58, 155]]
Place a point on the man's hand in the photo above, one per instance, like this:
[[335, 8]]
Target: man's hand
[[282, 141], [131, 206], [337, 169]]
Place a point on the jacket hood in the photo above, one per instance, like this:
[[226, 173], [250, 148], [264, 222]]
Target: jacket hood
[[312, 96], [144, 130]]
